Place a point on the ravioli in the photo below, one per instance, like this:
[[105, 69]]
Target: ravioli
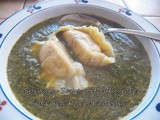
[[90, 47], [88, 44], [56, 62], [87, 51]]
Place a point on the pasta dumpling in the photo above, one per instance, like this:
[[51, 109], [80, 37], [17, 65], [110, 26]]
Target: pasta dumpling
[[88, 44], [60, 69], [87, 50], [56, 62]]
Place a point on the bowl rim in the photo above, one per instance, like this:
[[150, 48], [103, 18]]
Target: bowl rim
[[71, 2]]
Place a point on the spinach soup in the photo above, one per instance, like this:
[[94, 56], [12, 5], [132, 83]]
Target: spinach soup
[[114, 91]]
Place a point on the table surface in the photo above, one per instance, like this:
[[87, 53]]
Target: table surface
[[149, 9]]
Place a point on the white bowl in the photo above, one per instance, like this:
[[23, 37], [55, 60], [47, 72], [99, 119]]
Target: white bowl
[[13, 28]]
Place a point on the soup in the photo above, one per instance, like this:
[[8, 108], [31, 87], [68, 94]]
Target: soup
[[116, 90]]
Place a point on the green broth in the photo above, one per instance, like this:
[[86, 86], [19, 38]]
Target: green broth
[[117, 88]]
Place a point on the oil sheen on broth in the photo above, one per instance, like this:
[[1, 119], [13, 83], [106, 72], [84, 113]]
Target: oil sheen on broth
[[117, 88]]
